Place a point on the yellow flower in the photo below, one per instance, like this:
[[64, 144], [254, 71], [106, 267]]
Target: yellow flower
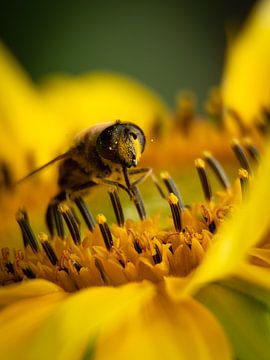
[[194, 288], [245, 86]]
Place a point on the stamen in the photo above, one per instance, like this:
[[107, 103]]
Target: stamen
[[54, 220], [137, 247], [9, 267], [105, 231], [243, 176], [29, 273], [200, 165], [252, 150], [101, 270], [6, 181], [176, 211], [76, 265], [137, 199], [239, 121], [85, 212], [27, 232], [241, 156], [212, 227], [218, 169], [172, 188], [117, 207], [157, 257], [47, 247], [71, 223], [25, 215]]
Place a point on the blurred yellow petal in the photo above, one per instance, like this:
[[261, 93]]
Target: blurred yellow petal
[[246, 228], [76, 323], [25, 290], [26, 124], [99, 96], [255, 275], [42, 122], [166, 330], [21, 320], [246, 88]]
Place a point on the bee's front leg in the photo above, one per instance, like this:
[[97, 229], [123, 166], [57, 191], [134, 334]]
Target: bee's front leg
[[145, 173]]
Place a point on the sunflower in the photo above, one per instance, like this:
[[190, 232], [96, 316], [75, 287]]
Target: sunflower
[[191, 283]]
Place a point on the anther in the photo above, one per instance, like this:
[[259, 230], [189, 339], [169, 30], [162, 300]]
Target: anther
[[157, 257], [105, 231], [28, 272], [85, 212], [243, 176], [212, 227], [252, 150], [71, 223], [172, 188], [27, 232], [217, 169], [137, 247], [176, 211], [5, 176], [76, 265], [54, 220], [240, 155], [117, 207], [47, 247], [9, 267], [200, 166], [137, 199]]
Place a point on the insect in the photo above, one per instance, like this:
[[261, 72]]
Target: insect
[[101, 154]]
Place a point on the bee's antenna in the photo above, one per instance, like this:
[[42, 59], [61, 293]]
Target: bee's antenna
[[60, 157]]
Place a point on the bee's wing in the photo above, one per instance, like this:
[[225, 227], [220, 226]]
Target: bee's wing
[[59, 157]]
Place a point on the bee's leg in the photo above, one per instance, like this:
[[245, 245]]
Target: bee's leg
[[145, 173], [54, 219], [99, 181]]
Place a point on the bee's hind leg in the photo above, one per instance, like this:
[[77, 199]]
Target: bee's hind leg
[[54, 219]]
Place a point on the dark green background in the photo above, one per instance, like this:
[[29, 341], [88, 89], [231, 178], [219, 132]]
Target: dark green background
[[168, 45]]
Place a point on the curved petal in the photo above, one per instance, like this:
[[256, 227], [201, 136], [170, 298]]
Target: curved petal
[[24, 119], [26, 290], [20, 321], [76, 322], [245, 318], [102, 96], [166, 330], [246, 87], [246, 227]]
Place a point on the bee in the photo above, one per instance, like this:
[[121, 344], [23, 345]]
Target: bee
[[101, 154]]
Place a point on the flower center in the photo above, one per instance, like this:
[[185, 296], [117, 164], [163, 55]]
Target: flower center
[[128, 250]]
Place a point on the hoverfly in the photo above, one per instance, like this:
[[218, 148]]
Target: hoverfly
[[101, 154]]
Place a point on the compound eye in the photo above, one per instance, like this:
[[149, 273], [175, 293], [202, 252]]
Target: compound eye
[[134, 135], [107, 143]]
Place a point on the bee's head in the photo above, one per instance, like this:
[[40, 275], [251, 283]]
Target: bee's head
[[122, 143]]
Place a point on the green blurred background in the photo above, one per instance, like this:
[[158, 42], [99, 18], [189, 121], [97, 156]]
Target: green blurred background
[[166, 44]]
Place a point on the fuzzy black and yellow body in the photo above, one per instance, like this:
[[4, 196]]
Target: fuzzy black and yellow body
[[101, 154]]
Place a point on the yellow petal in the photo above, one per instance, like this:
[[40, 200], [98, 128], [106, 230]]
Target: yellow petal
[[166, 330], [245, 85], [97, 97], [21, 320], [77, 321], [26, 290], [25, 121], [254, 274], [246, 227]]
